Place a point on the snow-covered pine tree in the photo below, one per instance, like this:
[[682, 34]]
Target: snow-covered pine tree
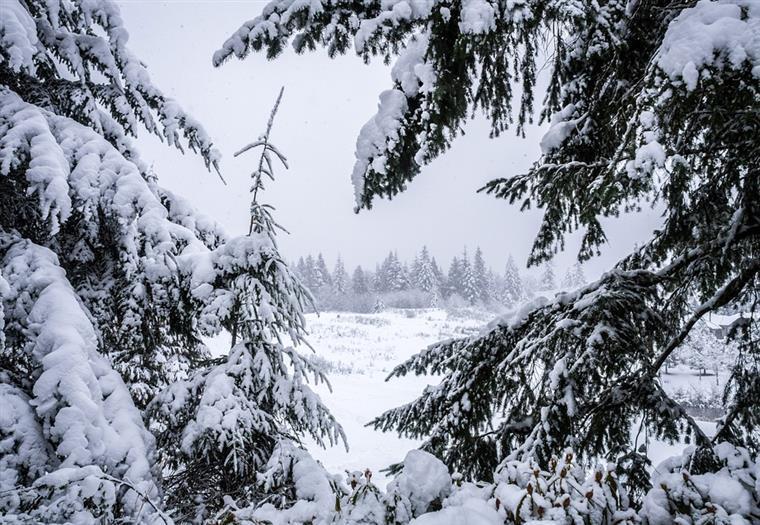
[[574, 277], [359, 285], [579, 276], [512, 292], [568, 280], [383, 274], [312, 280], [469, 291], [495, 285], [73, 447], [480, 274], [339, 277], [414, 271], [648, 101], [406, 278], [704, 352], [113, 260], [547, 281], [454, 278], [92, 294], [396, 276], [301, 270], [440, 278], [322, 275], [218, 430], [426, 279]]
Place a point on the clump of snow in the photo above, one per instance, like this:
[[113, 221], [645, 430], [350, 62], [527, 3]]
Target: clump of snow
[[377, 137], [411, 71], [313, 488], [515, 317], [392, 14], [423, 480], [22, 126], [18, 36], [477, 17], [471, 512], [723, 33], [561, 128]]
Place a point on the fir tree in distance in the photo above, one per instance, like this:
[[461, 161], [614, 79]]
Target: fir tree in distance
[[574, 277], [638, 113], [425, 277], [454, 278], [322, 275], [359, 285], [480, 274], [547, 281], [469, 286], [512, 292], [340, 277], [219, 429]]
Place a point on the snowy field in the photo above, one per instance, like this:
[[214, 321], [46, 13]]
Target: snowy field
[[359, 350]]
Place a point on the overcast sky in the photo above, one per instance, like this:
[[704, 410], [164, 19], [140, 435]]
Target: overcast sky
[[325, 104]]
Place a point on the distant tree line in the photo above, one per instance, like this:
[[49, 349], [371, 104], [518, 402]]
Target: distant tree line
[[423, 283]]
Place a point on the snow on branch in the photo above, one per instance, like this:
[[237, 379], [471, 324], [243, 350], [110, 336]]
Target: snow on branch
[[82, 411]]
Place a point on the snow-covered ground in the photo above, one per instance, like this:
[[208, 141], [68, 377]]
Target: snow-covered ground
[[359, 350]]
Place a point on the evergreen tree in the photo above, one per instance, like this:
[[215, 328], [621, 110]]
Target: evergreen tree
[[414, 271], [98, 312], [494, 287], [340, 277], [439, 277], [426, 278], [513, 291], [704, 352], [568, 279], [312, 280], [359, 284], [378, 279], [574, 277], [73, 444], [218, 430], [469, 285], [302, 271], [322, 276], [383, 274], [638, 113], [454, 283], [395, 274], [548, 281], [579, 276], [480, 275]]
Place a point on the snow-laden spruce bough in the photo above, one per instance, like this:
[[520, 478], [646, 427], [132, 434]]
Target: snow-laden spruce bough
[[112, 410]]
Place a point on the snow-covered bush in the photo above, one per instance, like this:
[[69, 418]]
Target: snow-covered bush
[[423, 493], [421, 486], [406, 299], [728, 495]]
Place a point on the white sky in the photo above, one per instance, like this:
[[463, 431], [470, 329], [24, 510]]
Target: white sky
[[325, 104]]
